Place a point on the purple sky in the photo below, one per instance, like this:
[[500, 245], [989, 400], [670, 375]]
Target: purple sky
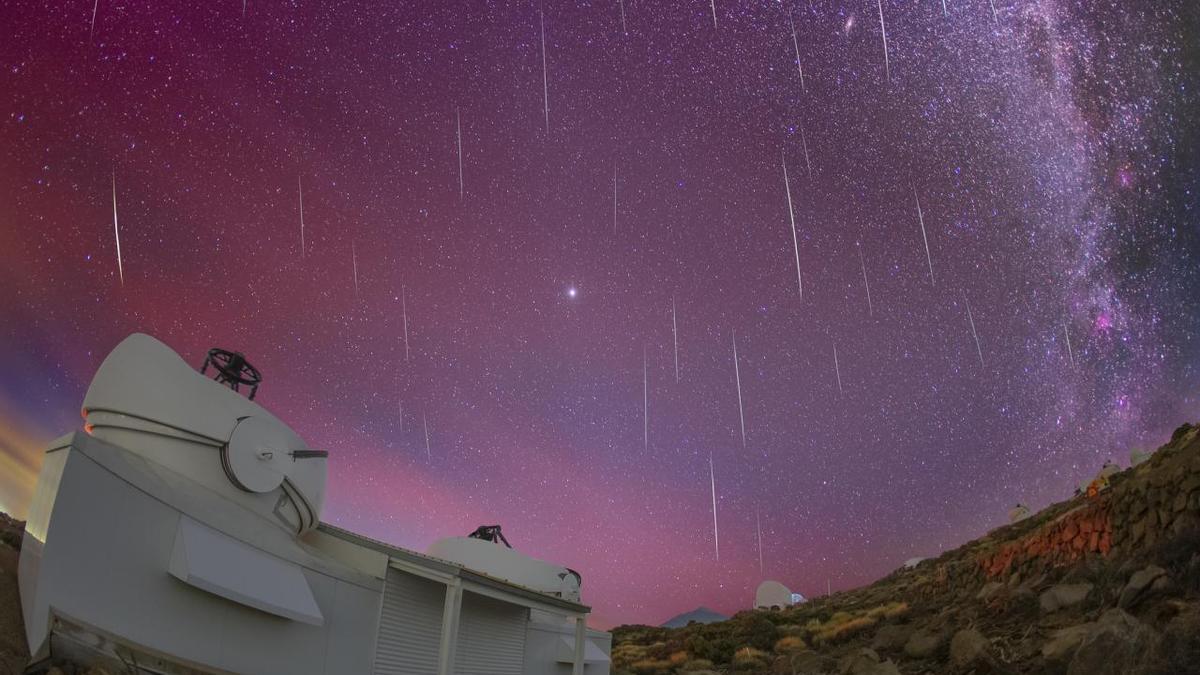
[[1051, 144]]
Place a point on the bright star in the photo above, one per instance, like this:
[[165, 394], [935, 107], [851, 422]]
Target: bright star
[[572, 292]]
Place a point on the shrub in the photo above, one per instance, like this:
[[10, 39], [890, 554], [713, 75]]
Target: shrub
[[789, 644], [889, 611], [750, 659], [757, 631], [833, 632], [652, 667], [697, 664], [839, 617]]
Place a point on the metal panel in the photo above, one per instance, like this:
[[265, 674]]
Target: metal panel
[[491, 638], [224, 566], [410, 625]]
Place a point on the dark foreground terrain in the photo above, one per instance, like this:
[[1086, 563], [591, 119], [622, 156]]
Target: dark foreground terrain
[[1107, 584]]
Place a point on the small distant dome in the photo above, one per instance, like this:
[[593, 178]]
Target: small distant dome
[[772, 594], [798, 598], [1110, 467], [913, 562], [1018, 513]]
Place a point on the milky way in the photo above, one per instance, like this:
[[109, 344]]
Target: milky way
[[536, 230]]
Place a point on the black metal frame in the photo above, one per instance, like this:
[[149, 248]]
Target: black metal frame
[[490, 533], [232, 369]]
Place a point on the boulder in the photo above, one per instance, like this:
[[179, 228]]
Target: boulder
[[1063, 596], [989, 590], [969, 646], [923, 644], [1116, 644], [891, 638], [1179, 650], [807, 663], [866, 662], [1062, 643], [1142, 584]]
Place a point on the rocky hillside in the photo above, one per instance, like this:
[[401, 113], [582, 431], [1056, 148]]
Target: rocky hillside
[[13, 653], [1106, 584]]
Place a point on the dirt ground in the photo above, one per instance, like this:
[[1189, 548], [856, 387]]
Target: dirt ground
[[14, 654]]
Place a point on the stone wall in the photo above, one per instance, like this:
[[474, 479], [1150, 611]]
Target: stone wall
[[1142, 505]]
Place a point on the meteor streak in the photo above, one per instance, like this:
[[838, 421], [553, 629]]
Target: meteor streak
[[545, 77], [404, 314], [645, 403], [837, 369], [117, 230], [758, 529], [300, 188], [883, 30], [924, 237], [1067, 334], [458, 137], [738, 375], [425, 423], [675, 337], [974, 334], [867, 284], [614, 199], [796, 46], [712, 479], [792, 216]]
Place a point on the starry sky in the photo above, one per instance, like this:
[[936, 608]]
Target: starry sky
[[533, 232]]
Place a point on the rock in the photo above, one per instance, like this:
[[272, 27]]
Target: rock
[[1062, 644], [809, 663], [1140, 586], [1063, 596], [1179, 650], [1115, 645], [968, 646], [923, 644], [866, 662], [891, 638], [1184, 523], [1137, 530], [989, 590]]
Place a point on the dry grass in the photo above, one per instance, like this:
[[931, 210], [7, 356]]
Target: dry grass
[[790, 644], [889, 611], [750, 658], [834, 632]]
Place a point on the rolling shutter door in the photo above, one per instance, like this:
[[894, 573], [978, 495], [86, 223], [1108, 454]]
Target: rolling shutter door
[[491, 637], [410, 625]]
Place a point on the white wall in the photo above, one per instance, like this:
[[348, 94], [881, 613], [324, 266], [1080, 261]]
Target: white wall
[[104, 564]]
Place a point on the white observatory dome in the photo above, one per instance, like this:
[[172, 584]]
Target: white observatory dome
[[498, 559], [147, 400], [772, 594]]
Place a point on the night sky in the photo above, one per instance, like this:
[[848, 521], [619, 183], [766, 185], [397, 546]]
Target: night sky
[[624, 198]]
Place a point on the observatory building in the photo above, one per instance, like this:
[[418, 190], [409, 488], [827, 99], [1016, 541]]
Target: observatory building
[[181, 533], [774, 595]]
